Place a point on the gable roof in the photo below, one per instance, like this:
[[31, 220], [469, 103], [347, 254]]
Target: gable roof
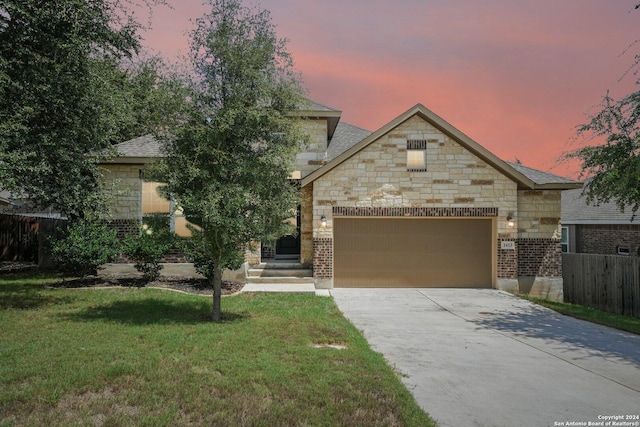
[[145, 148], [526, 178], [575, 210], [141, 149]]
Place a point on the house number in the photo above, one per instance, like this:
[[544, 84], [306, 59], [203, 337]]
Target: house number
[[508, 245]]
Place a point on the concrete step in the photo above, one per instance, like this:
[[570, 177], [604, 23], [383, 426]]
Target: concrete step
[[283, 287], [280, 272], [280, 265], [283, 280]]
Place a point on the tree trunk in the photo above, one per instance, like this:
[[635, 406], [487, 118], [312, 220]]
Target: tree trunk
[[216, 314]]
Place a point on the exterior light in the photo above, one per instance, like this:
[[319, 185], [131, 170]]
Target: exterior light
[[323, 221], [510, 222]]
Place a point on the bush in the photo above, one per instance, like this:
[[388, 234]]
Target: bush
[[148, 248], [86, 246]]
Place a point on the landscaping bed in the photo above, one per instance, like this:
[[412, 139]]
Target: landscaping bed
[[190, 285]]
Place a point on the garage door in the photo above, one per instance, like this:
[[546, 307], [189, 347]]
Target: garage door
[[420, 252]]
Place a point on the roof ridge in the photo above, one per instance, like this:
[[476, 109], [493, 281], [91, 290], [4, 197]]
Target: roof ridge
[[319, 104]]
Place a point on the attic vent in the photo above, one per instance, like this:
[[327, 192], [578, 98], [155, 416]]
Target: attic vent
[[417, 155], [416, 144], [623, 250]]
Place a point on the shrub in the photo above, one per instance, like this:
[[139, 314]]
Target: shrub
[[148, 248], [87, 245]]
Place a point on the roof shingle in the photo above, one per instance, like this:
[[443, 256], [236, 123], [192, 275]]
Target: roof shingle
[[540, 177], [144, 147], [345, 137], [575, 210]]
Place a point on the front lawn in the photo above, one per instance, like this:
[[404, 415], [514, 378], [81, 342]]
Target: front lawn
[[617, 321], [130, 356]]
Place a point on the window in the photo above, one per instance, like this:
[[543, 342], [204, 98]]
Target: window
[[623, 250], [565, 239], [154, 203], [416, 155]]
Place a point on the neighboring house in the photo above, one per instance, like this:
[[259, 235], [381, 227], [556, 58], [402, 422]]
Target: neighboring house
[[5, 200], [415, 204], [20, 204], [597, 229]]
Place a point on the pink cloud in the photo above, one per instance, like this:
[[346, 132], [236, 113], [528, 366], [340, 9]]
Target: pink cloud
[[515, 76]]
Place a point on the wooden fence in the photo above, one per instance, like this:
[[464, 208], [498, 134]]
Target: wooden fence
[[605, 282], [22, 236]]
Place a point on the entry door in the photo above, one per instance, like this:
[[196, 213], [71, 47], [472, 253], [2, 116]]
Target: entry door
[[288, 247]]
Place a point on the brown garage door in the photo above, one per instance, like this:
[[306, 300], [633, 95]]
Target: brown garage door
[[424, 252]]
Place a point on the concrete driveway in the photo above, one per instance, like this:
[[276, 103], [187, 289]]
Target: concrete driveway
[[475, 357]]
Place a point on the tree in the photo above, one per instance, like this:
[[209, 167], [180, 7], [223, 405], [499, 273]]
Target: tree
[[61, 106], [227, 165], [613, 168]]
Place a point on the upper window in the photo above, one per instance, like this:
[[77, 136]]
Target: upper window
[[153, 203], [416, 155]]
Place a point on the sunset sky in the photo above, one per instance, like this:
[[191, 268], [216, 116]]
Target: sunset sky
[[516, 76]]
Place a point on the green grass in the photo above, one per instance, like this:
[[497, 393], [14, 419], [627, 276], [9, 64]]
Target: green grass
[[623, 323], [148, 357]]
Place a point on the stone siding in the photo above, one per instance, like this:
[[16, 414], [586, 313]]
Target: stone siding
[[539, 214], [124, 186], [539, 233], [376, 181], [378, 177], [314, 154], [306, 226]]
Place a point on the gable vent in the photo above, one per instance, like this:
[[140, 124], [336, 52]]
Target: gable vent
[[416, 144]]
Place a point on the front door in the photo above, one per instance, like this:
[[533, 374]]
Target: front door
[[288, 247]]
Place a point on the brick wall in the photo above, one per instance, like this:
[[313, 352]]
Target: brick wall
[[507, 260], [605, 239], [539, 258], [125, 227], [323, 258]]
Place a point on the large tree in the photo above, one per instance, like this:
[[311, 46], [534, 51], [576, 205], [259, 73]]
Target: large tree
[[228, 162], [64, 97], [612, 168]]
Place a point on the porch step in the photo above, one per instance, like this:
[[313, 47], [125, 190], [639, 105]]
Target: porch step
[[280, 272], [287, 280]]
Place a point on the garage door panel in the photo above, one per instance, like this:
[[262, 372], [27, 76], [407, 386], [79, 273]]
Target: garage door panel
[[383, 252]]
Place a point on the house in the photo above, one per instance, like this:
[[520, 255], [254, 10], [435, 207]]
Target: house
[[5, 200], [416, 203], [597, 229]]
